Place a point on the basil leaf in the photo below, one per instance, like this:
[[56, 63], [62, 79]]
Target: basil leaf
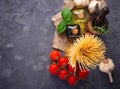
[[68, 22], [66, 14], [61, 27]]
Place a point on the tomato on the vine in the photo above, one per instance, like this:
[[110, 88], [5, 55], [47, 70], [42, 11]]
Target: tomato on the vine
[[72, 80], [83, 73], [71, 69], [63, 61], [62, 74], [54, 68], [54, 55]]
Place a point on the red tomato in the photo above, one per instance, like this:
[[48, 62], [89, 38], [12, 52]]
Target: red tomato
[[63, 61], [54, 68], [54, 55], [71, 69], [83, 74], [62, 74], [72, 80]]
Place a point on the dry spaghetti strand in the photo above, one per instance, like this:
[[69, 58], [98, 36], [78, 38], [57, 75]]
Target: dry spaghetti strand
[[87, 51]]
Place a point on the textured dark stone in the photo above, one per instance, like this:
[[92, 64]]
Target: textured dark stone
[[26, 33]]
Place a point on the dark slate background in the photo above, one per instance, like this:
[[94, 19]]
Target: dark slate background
[[26, 33]]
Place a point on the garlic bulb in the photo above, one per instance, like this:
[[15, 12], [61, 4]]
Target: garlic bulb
[[94, 6], [107, 66], [81, 3]]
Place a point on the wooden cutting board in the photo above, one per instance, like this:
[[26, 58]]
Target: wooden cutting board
[[60, 40]]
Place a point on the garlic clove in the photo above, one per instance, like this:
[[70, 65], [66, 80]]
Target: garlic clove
[[111, 64], [107, 66], [81, 3], [103, 67], [94, 6]]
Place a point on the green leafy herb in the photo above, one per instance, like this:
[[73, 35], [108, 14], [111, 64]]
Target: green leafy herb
[[66, 14], [61, 27], [68, 22], [101, 29]]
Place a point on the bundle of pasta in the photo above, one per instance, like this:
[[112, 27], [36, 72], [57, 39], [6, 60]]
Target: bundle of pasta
[[86, 51]]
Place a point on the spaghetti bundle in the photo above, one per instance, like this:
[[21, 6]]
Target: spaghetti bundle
[[86, 51]]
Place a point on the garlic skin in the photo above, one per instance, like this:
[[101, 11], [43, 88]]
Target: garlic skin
[[107, 66], [94, 6], [81, 3]]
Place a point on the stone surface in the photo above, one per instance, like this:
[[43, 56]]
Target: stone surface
[[26, 34]]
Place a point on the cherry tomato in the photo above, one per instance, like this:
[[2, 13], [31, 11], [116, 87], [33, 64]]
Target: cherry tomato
[[54, 68], [83, 74], [72, 80], [62, 74], [63, 61], [54, 55], [71, 69]]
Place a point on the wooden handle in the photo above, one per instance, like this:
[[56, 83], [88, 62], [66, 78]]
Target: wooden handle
[[110, 77]]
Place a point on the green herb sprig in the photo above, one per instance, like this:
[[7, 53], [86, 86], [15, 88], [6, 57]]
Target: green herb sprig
[[101, 29], [66, 16]]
